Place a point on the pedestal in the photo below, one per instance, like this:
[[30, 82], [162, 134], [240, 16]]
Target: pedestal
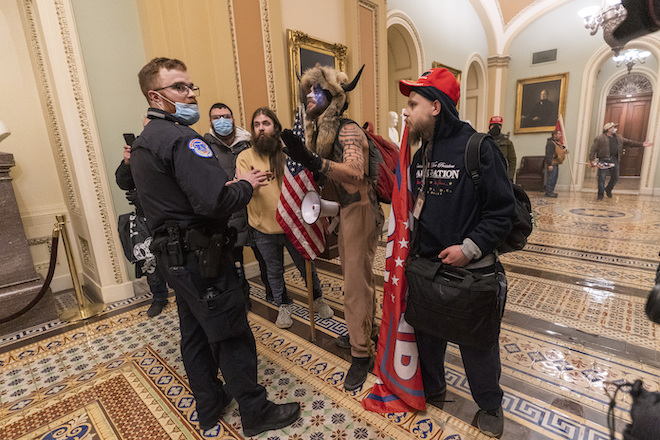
[[19, 281]]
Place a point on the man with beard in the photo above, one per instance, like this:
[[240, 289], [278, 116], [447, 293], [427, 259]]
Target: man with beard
[[228, 140], [457, 226], [555, 152], [505, 144], [269, 236], [340, 153]]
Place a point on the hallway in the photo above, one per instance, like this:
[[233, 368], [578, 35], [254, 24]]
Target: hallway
[[574, 320]]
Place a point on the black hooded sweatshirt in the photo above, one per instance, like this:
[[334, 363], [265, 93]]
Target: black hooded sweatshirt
[[452, 210]]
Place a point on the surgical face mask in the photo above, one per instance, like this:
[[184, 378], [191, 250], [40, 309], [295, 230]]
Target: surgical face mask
[[188, 113], [223, 126], [614, 130]]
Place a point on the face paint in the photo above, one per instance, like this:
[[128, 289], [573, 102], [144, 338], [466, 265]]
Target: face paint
[[319, 96]]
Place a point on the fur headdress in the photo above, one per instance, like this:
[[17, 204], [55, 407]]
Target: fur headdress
[[320, 133]]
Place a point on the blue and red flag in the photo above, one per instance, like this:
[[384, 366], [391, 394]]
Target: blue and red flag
[[399, 387]]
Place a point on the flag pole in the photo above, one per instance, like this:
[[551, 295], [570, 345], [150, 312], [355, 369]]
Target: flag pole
[[563, 135], [310, 300]]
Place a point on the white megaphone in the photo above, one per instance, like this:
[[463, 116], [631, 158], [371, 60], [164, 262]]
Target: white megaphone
[[313, 207]]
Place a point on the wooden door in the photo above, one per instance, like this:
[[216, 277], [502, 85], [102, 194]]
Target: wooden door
[[632, 115]]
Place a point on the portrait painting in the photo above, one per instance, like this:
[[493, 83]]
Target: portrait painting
[[539, 102], [306, 52]]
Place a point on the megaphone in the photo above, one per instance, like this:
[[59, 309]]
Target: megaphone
[[313, 207]]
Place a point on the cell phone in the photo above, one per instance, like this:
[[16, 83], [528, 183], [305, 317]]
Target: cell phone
[[129, 138]]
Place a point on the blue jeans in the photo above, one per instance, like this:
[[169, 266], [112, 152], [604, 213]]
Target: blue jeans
[[614, 178], [271, 247], [551, 176]]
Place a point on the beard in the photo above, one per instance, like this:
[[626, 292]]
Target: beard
[[421, 132], [267, 145]]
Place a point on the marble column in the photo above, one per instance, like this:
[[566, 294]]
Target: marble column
[[19, 281]]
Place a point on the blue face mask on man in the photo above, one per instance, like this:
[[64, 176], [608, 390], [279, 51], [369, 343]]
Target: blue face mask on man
[[223, 126], [187, 113]]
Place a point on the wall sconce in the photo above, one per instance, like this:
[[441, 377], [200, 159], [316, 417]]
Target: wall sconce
[[631, 57]]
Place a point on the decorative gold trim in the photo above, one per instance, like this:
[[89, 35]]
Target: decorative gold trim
[[47, 97], [296, 41], [268, 51], [89, 144], [456, 72], [237, 65], [377, 95]]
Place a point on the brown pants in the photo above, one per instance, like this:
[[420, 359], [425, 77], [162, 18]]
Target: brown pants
[[358, 238]]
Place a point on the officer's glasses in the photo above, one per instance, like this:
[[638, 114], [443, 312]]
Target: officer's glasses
[[182, 88]]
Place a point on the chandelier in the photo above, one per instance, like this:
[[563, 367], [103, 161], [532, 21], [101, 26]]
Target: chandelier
[[610, 14], [631, 57]]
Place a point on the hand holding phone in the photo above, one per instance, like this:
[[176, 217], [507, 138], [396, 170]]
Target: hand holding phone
[[129, 138]]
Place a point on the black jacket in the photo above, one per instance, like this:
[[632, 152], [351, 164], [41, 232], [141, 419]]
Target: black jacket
[[178, 177]]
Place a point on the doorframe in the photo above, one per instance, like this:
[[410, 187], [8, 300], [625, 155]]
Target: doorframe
[[583, 140]]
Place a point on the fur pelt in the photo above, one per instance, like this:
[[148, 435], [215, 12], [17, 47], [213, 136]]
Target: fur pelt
[[320, 133]]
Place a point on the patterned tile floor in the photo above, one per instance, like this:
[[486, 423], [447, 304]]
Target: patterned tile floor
[[574, 322]]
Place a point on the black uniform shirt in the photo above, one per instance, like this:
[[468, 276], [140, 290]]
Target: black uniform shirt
[[178, 177]]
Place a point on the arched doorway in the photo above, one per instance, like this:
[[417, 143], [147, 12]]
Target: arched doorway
[[474, 92], [405, 57]]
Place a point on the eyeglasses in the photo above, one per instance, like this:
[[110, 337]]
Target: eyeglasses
[[181, 88], [214, 117]]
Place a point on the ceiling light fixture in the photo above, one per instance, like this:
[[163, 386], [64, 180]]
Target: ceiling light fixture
[[610, 14]]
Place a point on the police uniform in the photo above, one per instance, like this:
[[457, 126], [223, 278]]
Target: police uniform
[[179, 180]]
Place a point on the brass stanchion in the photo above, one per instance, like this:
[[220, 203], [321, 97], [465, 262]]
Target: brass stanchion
[[83, 311]]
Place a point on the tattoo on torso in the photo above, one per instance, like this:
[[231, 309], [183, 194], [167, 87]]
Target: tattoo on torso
[[350, 138]]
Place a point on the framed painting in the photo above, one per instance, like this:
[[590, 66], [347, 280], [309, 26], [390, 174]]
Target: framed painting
[[306, 52], [455, 72], [539, 102]]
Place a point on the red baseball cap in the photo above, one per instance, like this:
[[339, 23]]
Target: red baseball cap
[[495, 120], [440, 78]]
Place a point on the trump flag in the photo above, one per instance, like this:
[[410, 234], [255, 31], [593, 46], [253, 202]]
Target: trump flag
[[399, 386]]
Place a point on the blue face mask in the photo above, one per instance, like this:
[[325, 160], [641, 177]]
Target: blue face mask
[[223, 126], [188, 113]]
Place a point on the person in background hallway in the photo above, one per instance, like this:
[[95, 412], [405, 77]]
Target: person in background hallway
[[555, 152], [147, 267], [339, 151], [188, 199], [605, 153], [228, 140], [457, 226], [269, 237], [505, 144]]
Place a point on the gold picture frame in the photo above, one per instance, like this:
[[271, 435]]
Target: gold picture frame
[[539, 102], [306, 52], [457, 73]]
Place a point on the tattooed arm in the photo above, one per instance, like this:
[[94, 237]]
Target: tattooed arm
[[351, 169]]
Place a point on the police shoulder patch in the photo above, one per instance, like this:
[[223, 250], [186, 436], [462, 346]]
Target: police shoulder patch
[[200, 148]]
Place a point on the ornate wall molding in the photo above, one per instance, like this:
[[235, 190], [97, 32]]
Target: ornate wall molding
[[499, 61], [376, 22], [397, 17], [268, 52], [80, 100], [237, 66], [631, 85], [47, 96]]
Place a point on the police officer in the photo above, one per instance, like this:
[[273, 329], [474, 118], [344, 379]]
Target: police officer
[[187, 199]]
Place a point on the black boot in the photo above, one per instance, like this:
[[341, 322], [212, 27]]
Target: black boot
[[277, 418], [357, 374], [209, 421]]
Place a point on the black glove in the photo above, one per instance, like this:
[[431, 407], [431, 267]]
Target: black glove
[[297, 151]]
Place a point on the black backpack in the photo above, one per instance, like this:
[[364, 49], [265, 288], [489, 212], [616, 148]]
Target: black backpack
[[522, 225]]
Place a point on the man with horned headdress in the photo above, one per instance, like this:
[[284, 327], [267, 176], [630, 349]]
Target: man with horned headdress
[[339, 151]]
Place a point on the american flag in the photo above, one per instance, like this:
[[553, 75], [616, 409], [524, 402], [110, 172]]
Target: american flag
[[399, 386], [297, 181]]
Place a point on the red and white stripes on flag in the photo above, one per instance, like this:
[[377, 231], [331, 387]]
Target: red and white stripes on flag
[[309, 240]]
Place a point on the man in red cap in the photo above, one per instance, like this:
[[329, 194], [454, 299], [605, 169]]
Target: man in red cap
[[505, 144], [457, 226]]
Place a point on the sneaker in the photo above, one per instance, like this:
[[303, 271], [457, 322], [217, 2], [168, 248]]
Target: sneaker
[[324, 310], [156, 308], [552, 195], [278, 417], [599, 199], [357, 373], [608, 192], [490, 422], [343, 341], [284, 317]]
